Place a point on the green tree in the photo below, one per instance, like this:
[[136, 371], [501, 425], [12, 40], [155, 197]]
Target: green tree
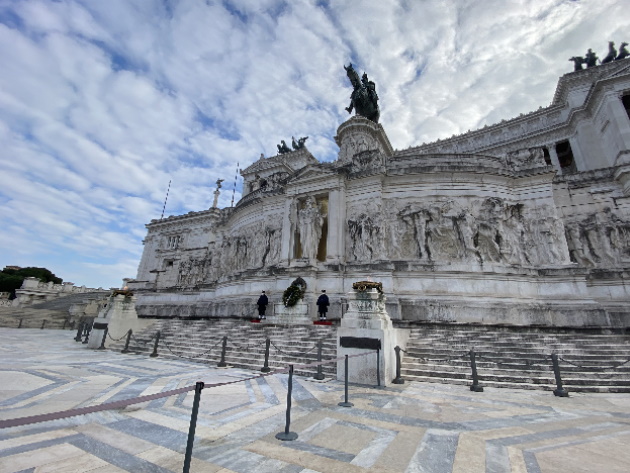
[[11, 279]]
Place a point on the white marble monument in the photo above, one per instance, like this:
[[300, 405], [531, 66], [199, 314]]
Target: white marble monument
[[525, 222]]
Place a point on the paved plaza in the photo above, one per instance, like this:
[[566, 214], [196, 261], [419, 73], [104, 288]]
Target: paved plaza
[[413, 428]]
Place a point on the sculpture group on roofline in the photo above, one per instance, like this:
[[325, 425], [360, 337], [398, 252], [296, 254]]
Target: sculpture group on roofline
[[590, 58], [299, 144]]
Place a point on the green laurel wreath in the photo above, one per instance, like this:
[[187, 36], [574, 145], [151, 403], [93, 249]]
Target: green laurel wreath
[[292, 295]]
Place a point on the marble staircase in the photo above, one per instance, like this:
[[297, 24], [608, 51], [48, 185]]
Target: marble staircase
[[201, 341], [34, 318], [56, 312], [519, 357]]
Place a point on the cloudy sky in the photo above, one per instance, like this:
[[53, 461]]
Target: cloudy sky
[[102, 102]]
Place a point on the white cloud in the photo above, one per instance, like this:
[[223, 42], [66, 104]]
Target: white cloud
[[102, 103]]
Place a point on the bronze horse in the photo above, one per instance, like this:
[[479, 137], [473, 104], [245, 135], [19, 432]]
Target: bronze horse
[[363, 99]]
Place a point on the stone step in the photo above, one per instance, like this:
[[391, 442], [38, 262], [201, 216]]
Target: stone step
[[549, 387]]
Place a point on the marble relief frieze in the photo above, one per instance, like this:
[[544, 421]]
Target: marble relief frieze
[[599, 238], [491, 230]]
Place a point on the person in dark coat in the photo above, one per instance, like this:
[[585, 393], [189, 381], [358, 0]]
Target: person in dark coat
[[262, 305], [322, 305]]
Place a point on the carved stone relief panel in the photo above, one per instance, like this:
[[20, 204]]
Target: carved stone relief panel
[[490, 230], [599, 238], [526, 159], [251, 247], [365, 234]]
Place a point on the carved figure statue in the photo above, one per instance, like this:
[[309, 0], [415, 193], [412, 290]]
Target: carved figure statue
[[299, 144], [283, 148], [310, 222], [623, 52], [590, 58], [219, 181], [577, 63], [363, 98], [612, 53]]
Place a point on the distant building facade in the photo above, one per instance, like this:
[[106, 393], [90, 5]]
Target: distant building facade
[[523, 222]]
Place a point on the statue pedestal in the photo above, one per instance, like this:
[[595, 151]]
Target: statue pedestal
[[362, 328], [296, 315]]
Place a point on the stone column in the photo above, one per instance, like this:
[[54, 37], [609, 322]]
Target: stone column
[[578, 157], [336, 227], [366, 322], [554, 157], [286, 252]]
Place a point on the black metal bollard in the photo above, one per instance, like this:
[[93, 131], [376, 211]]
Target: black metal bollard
[[155, 345], [78, 337], [378, 367], [222, 363], [286, 435], [346, 403], [265, 368], [476, 387], [88, 330], [193, 425], [65, 322], [320, 373], [559, 391], [102, 347], [43, 324], [398, 379], [126, 349], [20, 324]]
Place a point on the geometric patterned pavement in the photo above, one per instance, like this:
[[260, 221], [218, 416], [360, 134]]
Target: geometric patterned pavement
[[413, 428]]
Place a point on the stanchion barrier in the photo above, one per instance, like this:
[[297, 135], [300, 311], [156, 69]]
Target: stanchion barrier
[[102, 347], [476, 387], [65, 322], [378, 367], [43, 324], [193, 425], [155, 346], [20, 421], [287, 435], [222, 363], [20, 324], [126, 349], [87, 337], [345, 403], [559, 391], [398, 379], [78, 337], [320, 374], [265, 368]]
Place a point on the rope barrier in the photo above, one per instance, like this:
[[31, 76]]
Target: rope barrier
[[144, 342], [20, 421], [190, 357], [117, 339], [294, 354], [447, 360], [595, 368], [243, 347], [525, 365]]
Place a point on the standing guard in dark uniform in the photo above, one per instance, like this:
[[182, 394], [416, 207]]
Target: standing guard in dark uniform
[[322, 305], [262, 306]]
